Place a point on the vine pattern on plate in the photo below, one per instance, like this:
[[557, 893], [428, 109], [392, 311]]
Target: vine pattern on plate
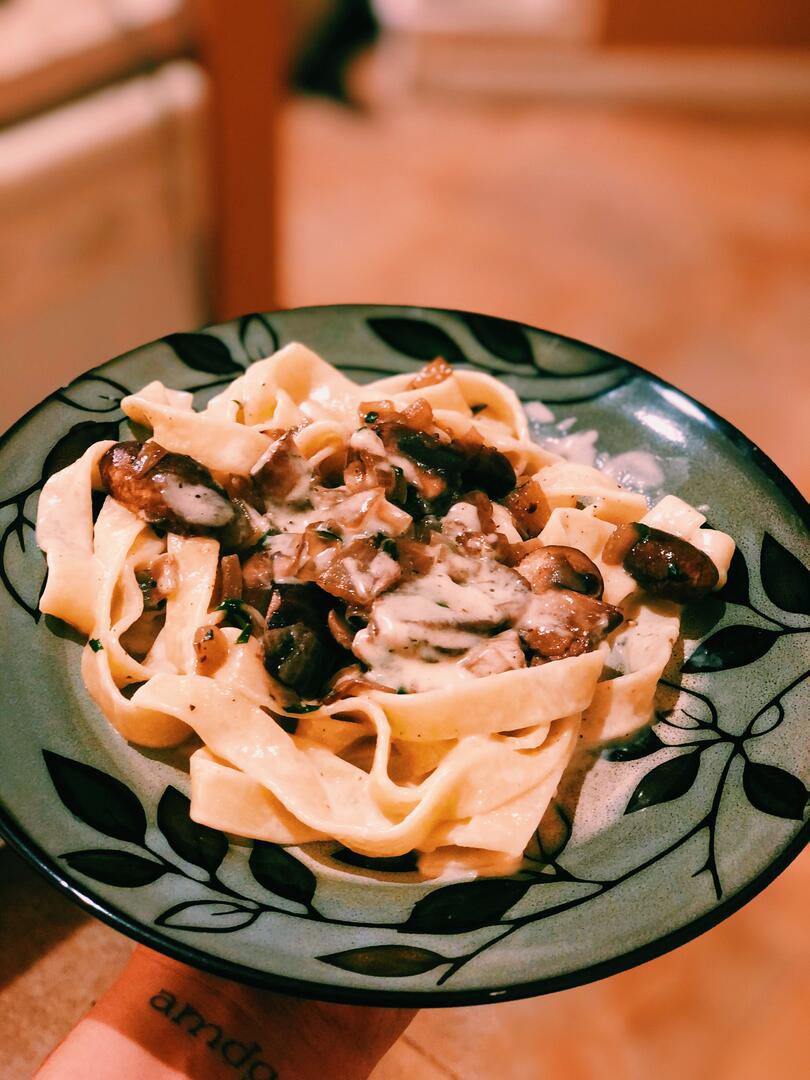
[[107, 805]]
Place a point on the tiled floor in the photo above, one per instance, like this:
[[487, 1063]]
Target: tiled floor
[[678, 241]]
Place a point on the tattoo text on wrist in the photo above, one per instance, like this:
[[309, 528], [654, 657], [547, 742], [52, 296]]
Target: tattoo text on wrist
[[234, 1053]]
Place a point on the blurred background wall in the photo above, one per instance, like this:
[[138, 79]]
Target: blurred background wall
[[633, 173]]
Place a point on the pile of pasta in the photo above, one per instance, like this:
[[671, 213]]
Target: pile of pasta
[[461, 774]]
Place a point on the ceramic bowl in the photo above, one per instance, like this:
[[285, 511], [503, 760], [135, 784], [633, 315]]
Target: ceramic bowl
[[670, 834]]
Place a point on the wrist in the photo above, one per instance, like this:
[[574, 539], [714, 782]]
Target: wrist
[[166, 1020]]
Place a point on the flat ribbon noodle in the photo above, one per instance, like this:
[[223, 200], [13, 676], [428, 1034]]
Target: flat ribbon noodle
[[463, 773]]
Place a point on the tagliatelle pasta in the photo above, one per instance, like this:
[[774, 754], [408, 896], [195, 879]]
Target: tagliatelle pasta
[[390, 617]]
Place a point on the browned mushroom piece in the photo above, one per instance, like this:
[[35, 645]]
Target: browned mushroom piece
[[664, 565], [283, 471], [562, 623], [298, 657], [298, 648], [210, 648], [172, 491], [435, 372], [528, 506], [557, 566], [359, 572], [484, 467], [414, 558]]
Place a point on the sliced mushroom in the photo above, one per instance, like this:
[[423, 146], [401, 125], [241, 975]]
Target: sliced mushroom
[[495, 655], [560, 567], [359, 572], [174, 492], [298, 657], [664, 565], [484, 467], [559, 623], [282, 472], [298, 648]]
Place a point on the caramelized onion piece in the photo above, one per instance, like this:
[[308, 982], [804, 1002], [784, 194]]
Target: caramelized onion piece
[[257, 579], [528, 506], [210, 648], [340, 629], [435, 372], [150, 454], [664, 565], [350, 682], [560, 567], [230, 578]]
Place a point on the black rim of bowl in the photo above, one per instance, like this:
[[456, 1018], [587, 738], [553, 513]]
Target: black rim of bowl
[[229, 969]]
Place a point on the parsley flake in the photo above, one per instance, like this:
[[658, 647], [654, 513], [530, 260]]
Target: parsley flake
[[328, 534], [237, 615]]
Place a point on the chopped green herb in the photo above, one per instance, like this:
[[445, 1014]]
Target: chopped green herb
[[261, 543], [328, 534], [442, 603], [402, 690], [235, 612], [95, 644], [476, 409], [370, 417], [302, 708], [386, 544]]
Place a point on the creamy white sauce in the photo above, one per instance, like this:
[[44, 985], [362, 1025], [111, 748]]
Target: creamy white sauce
[[538, 413], [547, 612], [579, 448], [366, 513], [638, 470], [463, 514], [367, 439], [196, 503], [364, 581], [418, 633]]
